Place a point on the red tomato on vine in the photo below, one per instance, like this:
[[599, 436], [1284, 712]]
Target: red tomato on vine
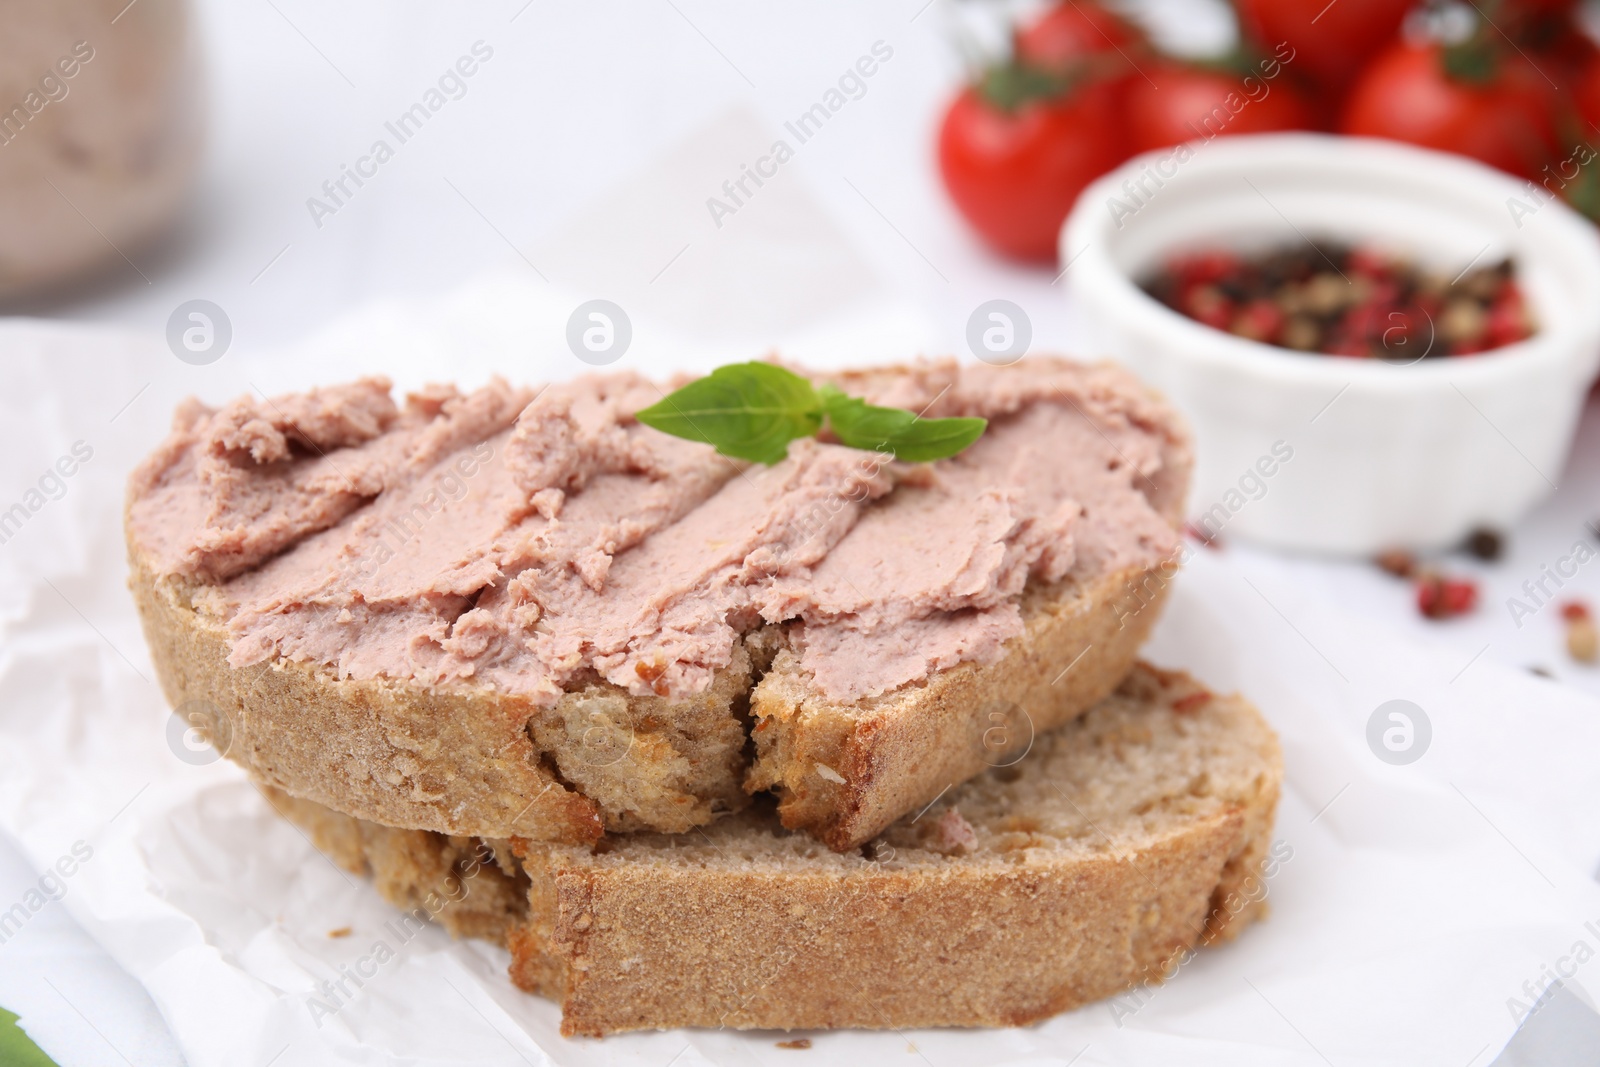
[[1492, 106]]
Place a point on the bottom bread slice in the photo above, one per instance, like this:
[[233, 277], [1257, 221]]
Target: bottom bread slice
[[1089, 865]]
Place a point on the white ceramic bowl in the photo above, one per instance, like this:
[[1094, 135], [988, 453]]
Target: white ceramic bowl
[[1378, 454]]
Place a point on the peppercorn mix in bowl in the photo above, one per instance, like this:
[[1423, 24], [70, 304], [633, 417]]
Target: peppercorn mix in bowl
[[1361, 303], [1417, 429]]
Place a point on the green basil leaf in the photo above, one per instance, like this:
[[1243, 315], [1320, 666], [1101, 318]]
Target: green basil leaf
[[16, 1048], [745, 410], [929, 439], [862, 425], [894, 430], [753, 410]]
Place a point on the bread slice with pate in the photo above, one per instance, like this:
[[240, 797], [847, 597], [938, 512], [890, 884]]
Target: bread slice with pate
[[518, 613], [1117, 845]]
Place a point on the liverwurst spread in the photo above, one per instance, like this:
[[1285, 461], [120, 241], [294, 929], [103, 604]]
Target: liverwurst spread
[[537, 540]]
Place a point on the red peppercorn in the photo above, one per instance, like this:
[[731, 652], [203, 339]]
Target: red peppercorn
[[1207, 267], [1573, 610], [1441, 597], [1428, 595], [1385, 290], [1407, 336], [1460, 596], [1368, 322]]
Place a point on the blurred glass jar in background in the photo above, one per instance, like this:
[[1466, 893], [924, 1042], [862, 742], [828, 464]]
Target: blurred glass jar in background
[[100, 130]]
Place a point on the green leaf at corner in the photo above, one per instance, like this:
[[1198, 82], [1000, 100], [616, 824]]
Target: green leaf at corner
[[16, 1048], [894, 430], [746, 410]]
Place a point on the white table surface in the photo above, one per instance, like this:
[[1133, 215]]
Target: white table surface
[[553, 163]]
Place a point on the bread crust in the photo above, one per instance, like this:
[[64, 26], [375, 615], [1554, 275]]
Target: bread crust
[[891, 756], [458, 760], [995, 939], [1000, 946], [763, 931]]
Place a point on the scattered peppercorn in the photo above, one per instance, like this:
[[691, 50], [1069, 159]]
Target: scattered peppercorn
[[1397, 561], [1543, 672], [1345, 301], [1583, 640], [1443, 597], [1486, 544]]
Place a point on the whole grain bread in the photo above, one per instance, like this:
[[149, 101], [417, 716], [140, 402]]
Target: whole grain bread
[[845, 772], [472, 760], [457, 759], [1093, 863]]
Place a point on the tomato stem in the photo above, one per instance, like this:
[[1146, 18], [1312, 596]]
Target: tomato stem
[[1009, 86], [1013, 84], [1476, 59]]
